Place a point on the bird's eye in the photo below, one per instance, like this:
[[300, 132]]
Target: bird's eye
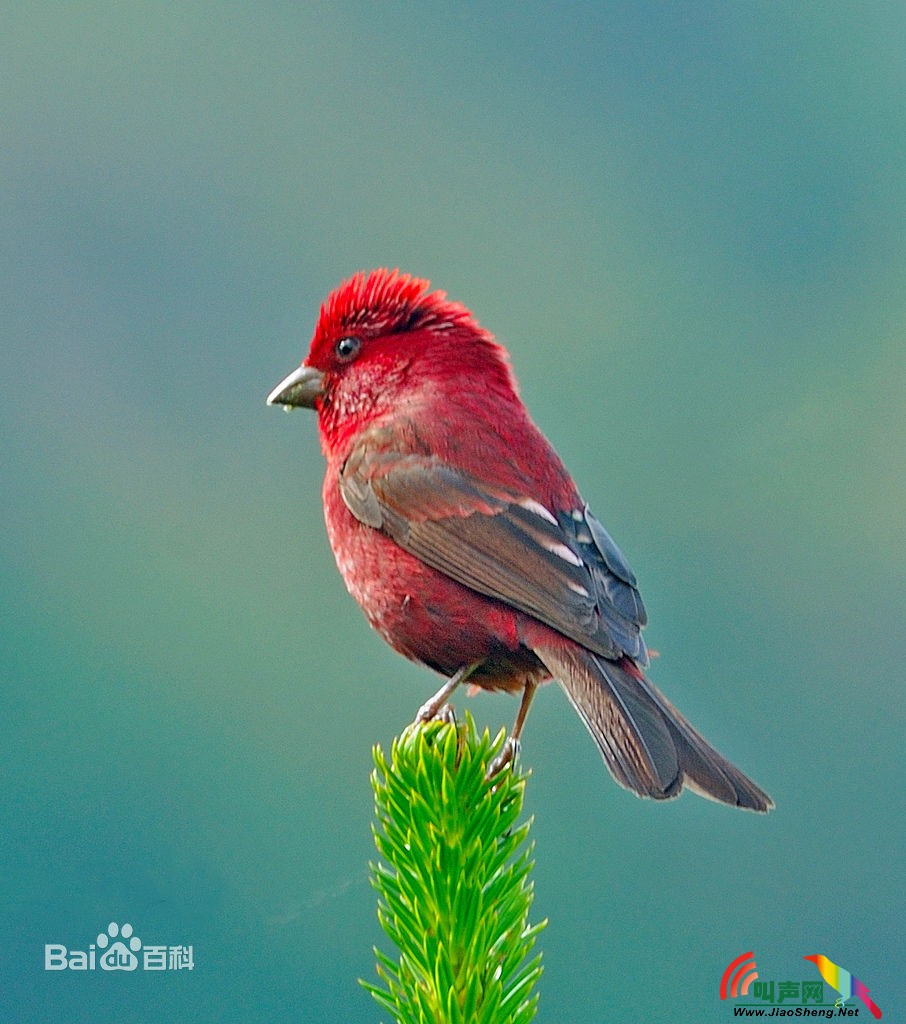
[[347, 348]]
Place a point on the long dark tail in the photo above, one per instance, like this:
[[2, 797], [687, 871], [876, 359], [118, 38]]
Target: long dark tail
[[646, 743]]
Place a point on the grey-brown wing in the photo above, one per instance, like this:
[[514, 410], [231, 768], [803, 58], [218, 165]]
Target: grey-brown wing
[[559, 566]]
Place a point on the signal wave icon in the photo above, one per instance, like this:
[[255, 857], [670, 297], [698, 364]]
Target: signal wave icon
[[738, 976]]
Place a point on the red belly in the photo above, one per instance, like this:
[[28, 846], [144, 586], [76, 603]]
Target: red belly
[[423, 614]]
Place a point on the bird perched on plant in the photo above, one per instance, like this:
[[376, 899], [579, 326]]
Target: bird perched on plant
[[461, 534], [843, 982]]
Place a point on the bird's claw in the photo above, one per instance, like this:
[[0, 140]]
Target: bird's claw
[[507, 755], [429, 712]]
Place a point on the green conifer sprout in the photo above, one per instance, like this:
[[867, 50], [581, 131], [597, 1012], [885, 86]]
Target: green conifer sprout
[[453, 881]]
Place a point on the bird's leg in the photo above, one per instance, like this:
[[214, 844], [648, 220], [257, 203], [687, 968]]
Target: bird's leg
[[511, 744], [433, 708]]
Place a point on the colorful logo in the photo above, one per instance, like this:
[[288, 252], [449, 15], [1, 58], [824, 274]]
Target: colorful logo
[[738, 976], [794, 997], [844, 983]]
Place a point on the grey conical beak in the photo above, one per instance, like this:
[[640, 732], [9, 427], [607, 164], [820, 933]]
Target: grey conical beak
[[301, 388]]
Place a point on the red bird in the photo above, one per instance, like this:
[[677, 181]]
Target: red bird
[[460, 533]]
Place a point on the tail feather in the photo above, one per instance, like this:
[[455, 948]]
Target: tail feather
[[646, 743]]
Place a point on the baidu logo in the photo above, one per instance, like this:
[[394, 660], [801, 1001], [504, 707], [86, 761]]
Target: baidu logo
[[118, 957], [118, 949]]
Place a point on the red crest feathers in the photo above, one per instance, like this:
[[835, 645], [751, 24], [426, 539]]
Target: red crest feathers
[[386, 302]]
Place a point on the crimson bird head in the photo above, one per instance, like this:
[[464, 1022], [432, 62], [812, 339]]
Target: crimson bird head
[[383, 342]]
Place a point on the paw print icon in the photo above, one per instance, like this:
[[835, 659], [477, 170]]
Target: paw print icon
[[119, 956]]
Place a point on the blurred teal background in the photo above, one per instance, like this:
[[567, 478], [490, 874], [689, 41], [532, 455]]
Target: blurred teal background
[[688, 224]]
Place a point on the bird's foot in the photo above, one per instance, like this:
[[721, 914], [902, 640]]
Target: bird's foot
[[508, 754], [437, 707], [430, 711]]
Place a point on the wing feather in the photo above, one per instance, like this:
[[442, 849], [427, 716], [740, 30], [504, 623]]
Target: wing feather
[[560, 567]]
